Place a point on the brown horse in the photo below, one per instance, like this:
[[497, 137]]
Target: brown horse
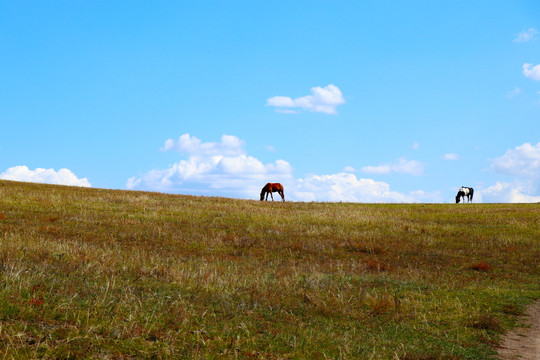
[[270, 188]]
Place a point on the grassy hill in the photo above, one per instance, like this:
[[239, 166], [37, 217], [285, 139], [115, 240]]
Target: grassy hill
[[91, 273]]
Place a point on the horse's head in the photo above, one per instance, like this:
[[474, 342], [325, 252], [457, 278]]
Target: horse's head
[[262, 195], [457, 199]]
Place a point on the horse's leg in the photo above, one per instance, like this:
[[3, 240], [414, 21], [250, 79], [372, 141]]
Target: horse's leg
[[282, 195], [272, 196]]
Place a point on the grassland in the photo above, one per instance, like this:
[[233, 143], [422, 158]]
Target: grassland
[[90, 273]]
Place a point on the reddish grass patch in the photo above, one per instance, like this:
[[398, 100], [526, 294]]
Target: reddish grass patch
[[361, 248], [36, 302], [376, 265], [481, 266]]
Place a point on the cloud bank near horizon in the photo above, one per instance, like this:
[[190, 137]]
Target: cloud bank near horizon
[[45, 176], [522, 163], [225, 169], [212, 168]]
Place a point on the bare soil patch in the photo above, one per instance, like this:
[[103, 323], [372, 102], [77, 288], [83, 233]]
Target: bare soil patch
[[523, 343]]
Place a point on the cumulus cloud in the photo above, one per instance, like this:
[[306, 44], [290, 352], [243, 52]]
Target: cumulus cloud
[[401, 166], [344, 187], [450, 156], [46, 176], [508, 193], [211, 168], [526, 35], [532, 72], [229, 146], [225, 169], [522, 161], [324, 100], [347, 187], [523, 164]]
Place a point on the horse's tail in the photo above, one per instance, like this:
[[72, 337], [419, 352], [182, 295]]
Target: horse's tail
[[472, 192]]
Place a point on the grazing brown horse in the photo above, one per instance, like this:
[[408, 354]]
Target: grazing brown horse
[[270, 188]]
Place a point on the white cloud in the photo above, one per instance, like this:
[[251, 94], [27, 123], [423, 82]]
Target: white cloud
[[46, 176], [344, 187], [526, 35], [224, 169], [523, 164], [513, 93], [324, 99], [522, 161], [380, 169], [450, 156], [211, 166], [416, 145], [401, 166], [508, 192], [229, 146], [532, 73], [347, 187]]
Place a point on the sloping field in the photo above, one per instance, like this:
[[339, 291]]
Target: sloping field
[[90, 273]]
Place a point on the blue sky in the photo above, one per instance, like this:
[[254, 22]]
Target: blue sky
[[375, 101]]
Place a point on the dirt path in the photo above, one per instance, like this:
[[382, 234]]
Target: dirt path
[[523, 343]]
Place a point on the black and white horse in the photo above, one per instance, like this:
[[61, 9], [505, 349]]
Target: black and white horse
[[465, 192]]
